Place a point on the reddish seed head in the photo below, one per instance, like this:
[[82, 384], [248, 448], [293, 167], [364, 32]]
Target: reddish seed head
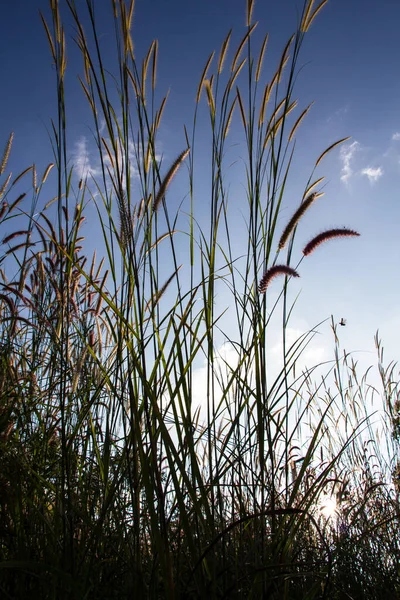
[[91, 339], [271, 273], [325, 236]]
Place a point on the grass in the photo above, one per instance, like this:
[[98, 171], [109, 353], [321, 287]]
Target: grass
[[113, 483]]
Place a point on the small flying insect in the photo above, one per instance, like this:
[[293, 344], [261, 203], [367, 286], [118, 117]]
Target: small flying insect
[[342, 322]]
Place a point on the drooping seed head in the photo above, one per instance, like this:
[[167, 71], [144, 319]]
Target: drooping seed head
[[271, 273], [327, 235]]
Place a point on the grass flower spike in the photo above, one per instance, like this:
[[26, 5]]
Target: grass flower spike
[[168, 178], [296, 218], [273, 272], [325, 236]]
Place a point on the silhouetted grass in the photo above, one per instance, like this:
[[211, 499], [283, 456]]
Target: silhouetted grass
[[113, 483]]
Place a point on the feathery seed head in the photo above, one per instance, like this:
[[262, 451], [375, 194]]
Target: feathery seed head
[[325, 236], [5, 185], [271, 273], [6, 154], [10, 237], [296, 218], [46, 173], [168, 178], [3, 209]]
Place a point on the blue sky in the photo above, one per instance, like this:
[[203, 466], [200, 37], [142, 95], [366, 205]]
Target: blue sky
[[350, 59]]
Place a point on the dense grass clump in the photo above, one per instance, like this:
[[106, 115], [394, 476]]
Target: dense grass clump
[[113, 482]]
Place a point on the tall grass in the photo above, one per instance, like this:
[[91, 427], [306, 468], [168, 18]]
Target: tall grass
[[114, 484]]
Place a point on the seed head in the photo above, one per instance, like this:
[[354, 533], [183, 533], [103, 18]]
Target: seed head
[[271, 273], [296, 218], [325, 236]]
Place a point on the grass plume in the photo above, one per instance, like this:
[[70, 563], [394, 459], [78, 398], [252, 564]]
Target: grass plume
[[273, 272], [326, 236], [168, 178], [304, 206], [6, 154]]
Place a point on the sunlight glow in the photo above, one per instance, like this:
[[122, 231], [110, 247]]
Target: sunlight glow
[[328, 506]]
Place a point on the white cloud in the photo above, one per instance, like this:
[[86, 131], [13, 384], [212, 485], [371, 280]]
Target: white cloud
[[396, 136], [346, 156], [226, 360], [339, 114], [373, 174], [81, 160], [313, 353], [87, 164]]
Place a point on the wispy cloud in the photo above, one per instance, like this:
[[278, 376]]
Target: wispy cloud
[[339, 114], [81, 160], [87, 164], [372, 173], [396, 136], [346, 156]]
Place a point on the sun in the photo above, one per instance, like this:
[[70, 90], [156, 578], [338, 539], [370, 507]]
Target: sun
[[328, 506]]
